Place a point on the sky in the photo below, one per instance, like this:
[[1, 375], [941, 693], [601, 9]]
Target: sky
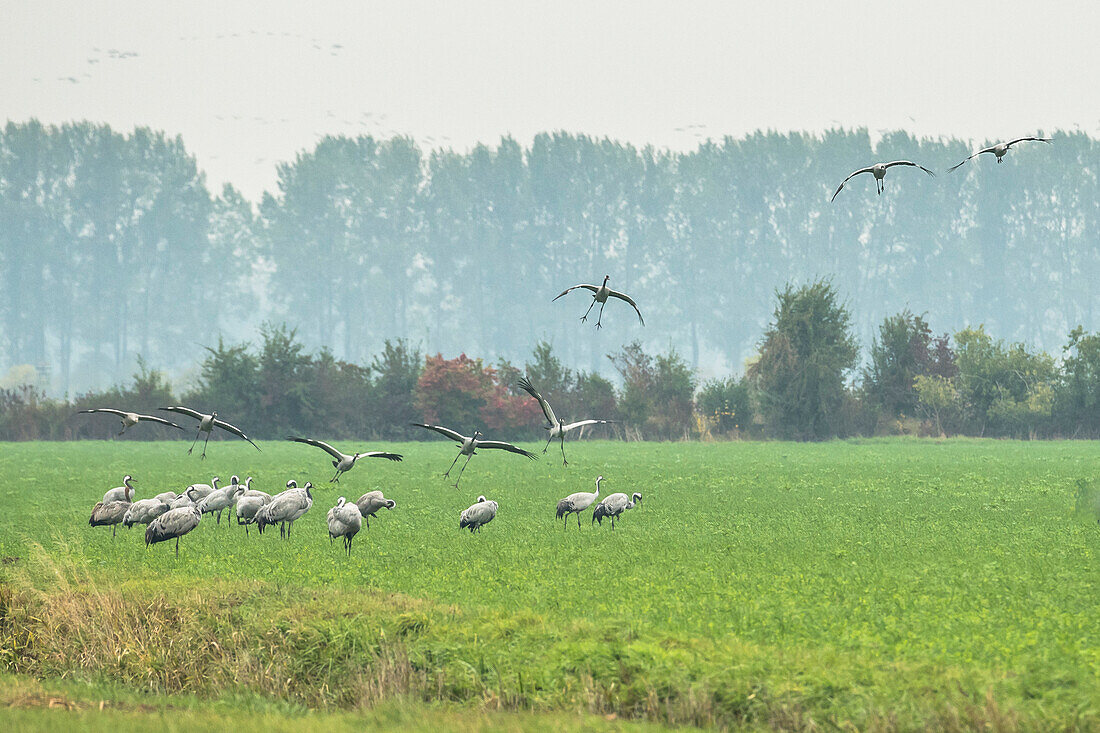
[[250, 84]]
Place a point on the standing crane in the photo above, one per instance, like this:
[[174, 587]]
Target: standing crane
[[343, 462], [207, 423], [370, 502], [471, 444], [577, 503], [121, 493], [557, 427], [111, 513], [344, 521], [172, 525], [478, 515], [614, 505], [144, 511], [130, 419], [600, 294], [285, 508]]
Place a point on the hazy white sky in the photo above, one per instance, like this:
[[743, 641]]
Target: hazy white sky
[[248, 84]]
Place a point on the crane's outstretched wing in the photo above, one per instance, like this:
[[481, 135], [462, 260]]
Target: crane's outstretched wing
[[506, 446], [443, 431], [851, 175], [892, 163], [547, 410], [107, 410], [628, 299], [161, 420], [975, 155], [381, 454], [580, 423], [235, 430], [593, 288], [184, 411], [319, 444], [1026, 139]]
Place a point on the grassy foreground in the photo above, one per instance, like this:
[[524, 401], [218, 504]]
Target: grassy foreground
[[888, 585]]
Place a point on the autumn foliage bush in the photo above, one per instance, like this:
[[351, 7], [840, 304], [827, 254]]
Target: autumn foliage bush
[[465, 394]]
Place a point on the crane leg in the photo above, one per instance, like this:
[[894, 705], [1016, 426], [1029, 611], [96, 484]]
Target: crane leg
[[335, 478], [196, 440], [204, 443], [548, 440], [448, 473], [563, 461], [585, 316], [463, 469], [114, 528], [177, 548], [599, 318]]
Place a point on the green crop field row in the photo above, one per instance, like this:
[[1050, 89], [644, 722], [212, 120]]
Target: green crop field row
[[884, 584]]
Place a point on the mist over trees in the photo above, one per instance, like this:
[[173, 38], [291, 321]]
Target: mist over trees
[[112, 246]]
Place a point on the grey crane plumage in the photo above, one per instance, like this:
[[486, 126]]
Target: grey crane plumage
[[144, 511], [370, 502], [285, 509], [207, 423], [577, 503], [172, 525], [613, 506], [344, 521], [478, 515], [471, 444], [878, 170], [130, 419], [167, 496], [600, 294], [999, 150], [220, 500], [198, 492], [557, 427], [183, 500], [110, 513], [120, 493], [248, 503], [342, 461]]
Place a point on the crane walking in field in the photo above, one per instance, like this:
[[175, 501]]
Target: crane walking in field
[[469, 445], [285, 509], [878, 170], [577, 503], [172, 525], [130, 419], [343, 462], [557, 427], [613, 506], [344, 521], [1000, 149], [478, 515], [370, 502], [121, 493], [207, 423], [111, 513], [600, 294]]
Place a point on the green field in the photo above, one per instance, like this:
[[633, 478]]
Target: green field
[[890, 585]]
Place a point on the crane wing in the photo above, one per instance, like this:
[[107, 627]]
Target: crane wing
[[1026, 139], [184, 411], [628, 299], [107, 410], [965, 160], [851, 175], [581, 423], [501, 445], [593, 288], [161, 420], [547, 410], [381, 454], [319, 444], [235, 430], [910, 163], [443, 431]]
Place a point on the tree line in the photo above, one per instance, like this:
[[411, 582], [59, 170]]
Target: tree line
[[112, 245], [805, 383]]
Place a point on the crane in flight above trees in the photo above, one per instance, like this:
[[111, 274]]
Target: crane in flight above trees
[[600, 295], [879, 172], [207, 423], [1000, 149], [471, 444], [557, 427]]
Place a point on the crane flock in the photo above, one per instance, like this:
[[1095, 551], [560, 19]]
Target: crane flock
[[170, 516]]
